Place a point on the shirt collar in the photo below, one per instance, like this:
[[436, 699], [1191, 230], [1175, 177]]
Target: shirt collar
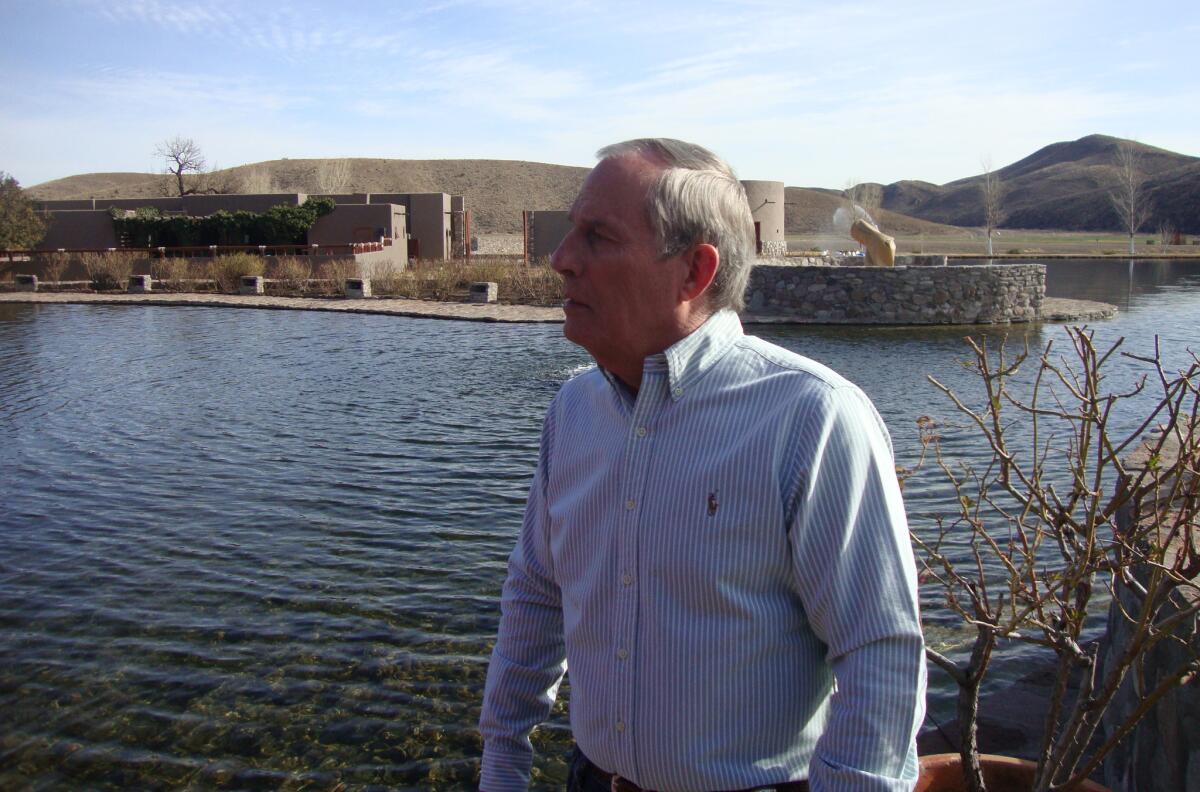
[[691, 356]]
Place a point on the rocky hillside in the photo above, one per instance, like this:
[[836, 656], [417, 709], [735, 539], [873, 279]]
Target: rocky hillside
[[1063, 186], [811, 211]]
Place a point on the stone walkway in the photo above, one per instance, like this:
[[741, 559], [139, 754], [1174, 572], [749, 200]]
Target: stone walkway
[[1053, 309], [471, 312]]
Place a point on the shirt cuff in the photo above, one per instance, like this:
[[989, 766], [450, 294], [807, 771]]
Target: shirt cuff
[[504, 772]]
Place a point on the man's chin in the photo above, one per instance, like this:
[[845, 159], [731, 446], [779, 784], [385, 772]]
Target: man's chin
[[578, 330]]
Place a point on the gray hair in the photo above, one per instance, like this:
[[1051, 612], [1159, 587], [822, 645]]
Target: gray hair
[[698, 199]]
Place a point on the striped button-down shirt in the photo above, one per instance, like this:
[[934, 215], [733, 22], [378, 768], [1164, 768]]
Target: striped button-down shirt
[[723, 561]]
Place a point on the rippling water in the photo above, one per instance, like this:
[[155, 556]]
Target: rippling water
[[261, 549]]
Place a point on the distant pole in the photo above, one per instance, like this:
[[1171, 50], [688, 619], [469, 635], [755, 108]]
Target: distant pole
[[525, 235]]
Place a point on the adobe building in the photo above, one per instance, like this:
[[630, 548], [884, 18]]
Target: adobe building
[[424, 221], [429, 219]]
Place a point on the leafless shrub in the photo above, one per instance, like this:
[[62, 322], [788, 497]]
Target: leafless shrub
[[444, 281], [1168, 234], [54, 265], [227, 271], [1050, 523], [172, 273], [333, 275], [292, 274], [107, 271]]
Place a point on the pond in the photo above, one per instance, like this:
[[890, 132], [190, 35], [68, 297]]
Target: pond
[[263, 549]]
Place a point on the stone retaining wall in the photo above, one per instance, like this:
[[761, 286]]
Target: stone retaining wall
[[984, 294]]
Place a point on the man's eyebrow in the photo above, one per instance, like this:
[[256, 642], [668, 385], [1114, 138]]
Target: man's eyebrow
[[592, 221]]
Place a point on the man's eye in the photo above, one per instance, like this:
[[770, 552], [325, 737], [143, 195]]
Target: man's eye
[[591, 236]]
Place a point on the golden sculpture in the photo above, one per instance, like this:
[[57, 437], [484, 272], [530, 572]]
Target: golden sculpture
[[881, 248]]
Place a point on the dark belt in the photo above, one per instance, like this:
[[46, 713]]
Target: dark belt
[[618, 784]]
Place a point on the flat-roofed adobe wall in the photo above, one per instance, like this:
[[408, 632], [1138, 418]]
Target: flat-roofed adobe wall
[[166, 205], [345, 198], [201, 205], [547, 228], [426, 216], [360, 223], [80, 229], [428, 220], [66, 203]]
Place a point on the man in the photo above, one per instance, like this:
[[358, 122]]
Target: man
[[714, 534]]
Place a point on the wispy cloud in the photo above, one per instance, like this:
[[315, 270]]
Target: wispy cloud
[[810, 92], [145, 91]]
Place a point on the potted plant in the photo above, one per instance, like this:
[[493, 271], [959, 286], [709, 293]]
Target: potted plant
[[1071, 501]]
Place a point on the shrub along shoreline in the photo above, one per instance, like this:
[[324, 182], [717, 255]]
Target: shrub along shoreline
[[295, 276]]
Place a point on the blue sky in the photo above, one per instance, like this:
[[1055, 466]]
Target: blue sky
[[813, 94]]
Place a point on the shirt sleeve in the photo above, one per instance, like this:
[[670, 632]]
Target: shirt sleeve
[[529, 659], [857, 580]]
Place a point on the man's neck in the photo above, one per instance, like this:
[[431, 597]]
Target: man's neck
[[629, 370]]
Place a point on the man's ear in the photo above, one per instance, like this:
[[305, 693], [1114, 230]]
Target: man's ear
[[702, 261]]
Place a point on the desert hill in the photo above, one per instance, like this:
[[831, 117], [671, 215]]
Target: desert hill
[[810, 211], [1063, 186], [496, 190]]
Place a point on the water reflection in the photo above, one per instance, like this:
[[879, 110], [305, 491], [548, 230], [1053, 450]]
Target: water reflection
[[263, 549]]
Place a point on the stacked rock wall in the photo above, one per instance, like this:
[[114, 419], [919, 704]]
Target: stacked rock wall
[[985, 294]]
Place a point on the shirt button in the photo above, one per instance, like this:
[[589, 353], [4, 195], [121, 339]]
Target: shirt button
[[641, 431], [631, 504], [622, 654], [620, 725], [677, 392], [627, 579]]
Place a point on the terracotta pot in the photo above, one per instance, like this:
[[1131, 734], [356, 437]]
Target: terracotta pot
[[943, 773]]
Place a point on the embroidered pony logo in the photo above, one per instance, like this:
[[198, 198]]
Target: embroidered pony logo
[[712, 504]]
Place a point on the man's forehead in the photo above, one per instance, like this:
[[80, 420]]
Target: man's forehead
[[615, 191]]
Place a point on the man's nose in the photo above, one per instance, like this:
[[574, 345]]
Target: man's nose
[[561, 259]]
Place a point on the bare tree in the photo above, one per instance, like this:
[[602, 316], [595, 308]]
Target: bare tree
[[181, 155], [332, 176], [1054, 526], [1128, 196], [992, 190], [1167, 233]]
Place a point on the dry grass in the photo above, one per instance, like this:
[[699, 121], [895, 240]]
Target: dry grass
[[333, 274], [228, 271], [291, 274], [449, 281], [173, 273], [107, 271], [53, 266]]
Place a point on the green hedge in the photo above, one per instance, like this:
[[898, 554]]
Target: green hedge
[[280, 225]]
